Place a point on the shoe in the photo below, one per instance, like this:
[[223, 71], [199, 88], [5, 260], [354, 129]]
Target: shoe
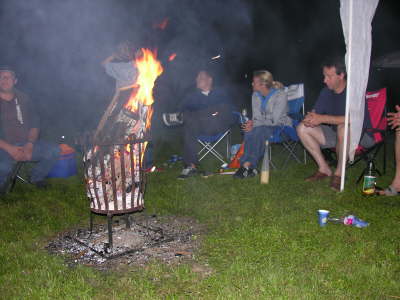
[[174, 119], [243, 172], [187, 172], [389, 191], [41, 184], [335, 183], [206, 174], [152, 169], [317, 176]]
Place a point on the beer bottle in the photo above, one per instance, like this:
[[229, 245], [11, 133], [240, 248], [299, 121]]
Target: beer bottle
[[369, 180]]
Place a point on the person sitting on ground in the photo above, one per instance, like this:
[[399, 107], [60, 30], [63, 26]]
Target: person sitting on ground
[[20, 133], [394, 121], [323, 127], [207, 111], [269, 107]]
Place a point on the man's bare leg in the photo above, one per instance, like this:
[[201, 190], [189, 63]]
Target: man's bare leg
[[339, 150], [396, 181], [312, 139]]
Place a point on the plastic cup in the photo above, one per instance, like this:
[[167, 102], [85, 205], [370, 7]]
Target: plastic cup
[[323, 217]]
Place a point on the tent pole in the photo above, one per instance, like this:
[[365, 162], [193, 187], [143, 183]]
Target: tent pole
[[346, 119]]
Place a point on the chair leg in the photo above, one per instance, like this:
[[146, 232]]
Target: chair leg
[[384, 157]]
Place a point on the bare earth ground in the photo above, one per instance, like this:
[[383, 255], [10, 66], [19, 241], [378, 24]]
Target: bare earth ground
[[171, 240]]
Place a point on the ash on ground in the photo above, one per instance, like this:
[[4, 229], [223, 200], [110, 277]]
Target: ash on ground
[[167, 239]]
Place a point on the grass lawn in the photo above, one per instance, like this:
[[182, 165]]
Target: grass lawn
[[262, 241]]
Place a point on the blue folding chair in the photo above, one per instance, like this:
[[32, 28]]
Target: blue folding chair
[[287, 135], [209, 143]]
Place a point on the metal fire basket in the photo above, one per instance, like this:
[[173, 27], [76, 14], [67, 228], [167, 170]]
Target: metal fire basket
[[115, 181]]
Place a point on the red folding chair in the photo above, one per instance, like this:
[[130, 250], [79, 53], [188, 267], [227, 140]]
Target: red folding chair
[[376, 104]]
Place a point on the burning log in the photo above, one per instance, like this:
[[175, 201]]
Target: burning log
[[119, 122]]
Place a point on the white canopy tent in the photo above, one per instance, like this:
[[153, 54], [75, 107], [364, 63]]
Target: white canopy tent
[[356, 16]]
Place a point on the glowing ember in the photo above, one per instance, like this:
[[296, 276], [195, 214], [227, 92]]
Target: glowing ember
[[161, 25], [172, 57]]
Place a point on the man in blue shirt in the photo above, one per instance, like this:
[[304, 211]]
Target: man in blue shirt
[[207, 111], [323, 127]]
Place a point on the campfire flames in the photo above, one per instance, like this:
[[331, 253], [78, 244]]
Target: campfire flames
[[113, 175], [149, 68]]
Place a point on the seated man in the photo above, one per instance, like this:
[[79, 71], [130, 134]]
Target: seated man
[[324, 126], [207, 111], [394, 188], [20, 132], [270, 107]]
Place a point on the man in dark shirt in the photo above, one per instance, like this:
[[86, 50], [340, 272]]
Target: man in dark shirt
[[324, 126], [20, 132], [206, 112]]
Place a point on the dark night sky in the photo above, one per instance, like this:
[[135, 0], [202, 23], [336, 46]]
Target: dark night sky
[[56, 46]]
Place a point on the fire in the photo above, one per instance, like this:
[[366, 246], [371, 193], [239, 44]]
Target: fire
[[149, 68], [161, 25], [172, 57]]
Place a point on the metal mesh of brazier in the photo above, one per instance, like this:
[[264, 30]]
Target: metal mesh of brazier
[[115, 181]]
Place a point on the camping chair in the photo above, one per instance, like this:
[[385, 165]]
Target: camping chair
[[376, 104], [286, 136], [209, 143]]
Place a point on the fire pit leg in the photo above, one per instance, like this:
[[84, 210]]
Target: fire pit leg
[[110, 239], [127, 221], [91, 222]]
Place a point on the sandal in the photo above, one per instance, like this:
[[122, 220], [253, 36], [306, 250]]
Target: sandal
[[389, 191], [317, 176], [335, 183]]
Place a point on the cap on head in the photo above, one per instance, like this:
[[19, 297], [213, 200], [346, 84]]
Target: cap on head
[[8, 69]]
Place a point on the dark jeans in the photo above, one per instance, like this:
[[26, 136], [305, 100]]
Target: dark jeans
[[200, 123], [46, 154], [254, 144]]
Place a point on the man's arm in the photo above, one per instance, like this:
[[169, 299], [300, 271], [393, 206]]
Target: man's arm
[[394, 118], [33, 135], [313, 119], [15, 152]]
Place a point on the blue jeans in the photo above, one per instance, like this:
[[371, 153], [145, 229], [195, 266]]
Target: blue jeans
[[254, 144], [44, 153]]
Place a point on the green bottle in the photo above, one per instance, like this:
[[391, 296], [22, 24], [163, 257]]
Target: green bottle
[[369, 181]]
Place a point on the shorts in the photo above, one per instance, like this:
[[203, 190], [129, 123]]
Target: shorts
[[330, 134]]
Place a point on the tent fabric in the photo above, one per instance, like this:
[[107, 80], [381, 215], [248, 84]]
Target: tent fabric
[[356, 16]]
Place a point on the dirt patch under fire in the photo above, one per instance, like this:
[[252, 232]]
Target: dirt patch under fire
[[167, 239]]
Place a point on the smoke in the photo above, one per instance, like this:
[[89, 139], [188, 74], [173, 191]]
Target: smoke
[[56, 47]]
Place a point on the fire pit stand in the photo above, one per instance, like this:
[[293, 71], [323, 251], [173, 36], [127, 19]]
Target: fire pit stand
[[115, 181]]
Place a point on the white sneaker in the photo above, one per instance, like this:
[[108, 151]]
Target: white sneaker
[[173, 119]]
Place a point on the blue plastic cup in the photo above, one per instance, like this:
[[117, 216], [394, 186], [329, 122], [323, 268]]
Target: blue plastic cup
[[323, 217]]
